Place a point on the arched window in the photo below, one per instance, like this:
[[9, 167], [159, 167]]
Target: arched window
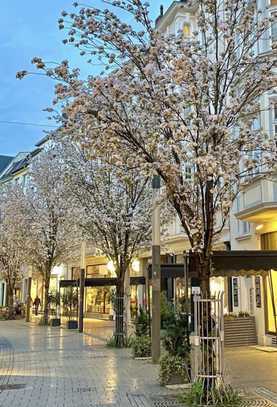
[[186, 30]]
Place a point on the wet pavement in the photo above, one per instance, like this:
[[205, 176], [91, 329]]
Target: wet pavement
[[56, 367], [41, 366], [249, 368]]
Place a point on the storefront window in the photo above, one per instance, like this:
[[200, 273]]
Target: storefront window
[[272, 300], [269, 242], [99, 300]]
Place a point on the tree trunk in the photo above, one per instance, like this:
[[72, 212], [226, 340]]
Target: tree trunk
[[127, 304], [120, 335], [10, 292], [46, 300], [207, 322]]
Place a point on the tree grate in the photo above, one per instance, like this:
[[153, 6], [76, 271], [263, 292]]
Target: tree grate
[[257, 403], [163, 401], [9, 386], [267, 394]]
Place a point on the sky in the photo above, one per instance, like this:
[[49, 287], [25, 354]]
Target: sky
[[27, 29]]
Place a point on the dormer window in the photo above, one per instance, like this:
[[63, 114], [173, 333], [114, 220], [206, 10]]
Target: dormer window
[[186, 30], [182, 26]]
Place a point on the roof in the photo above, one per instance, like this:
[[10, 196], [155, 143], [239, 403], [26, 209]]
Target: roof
[[18, 163], [4, 161], [162, 14], [42, 141], [176, 6]]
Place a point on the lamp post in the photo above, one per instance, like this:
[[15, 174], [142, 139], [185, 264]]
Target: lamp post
[[82, 286], [28, 298], [156, 270]]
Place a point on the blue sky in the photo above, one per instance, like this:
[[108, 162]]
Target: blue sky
[[28, 29]]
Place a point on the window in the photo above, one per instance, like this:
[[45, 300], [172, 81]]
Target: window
[[235, 292], [274, 28], [188, 172], [245, 228], [186, 30], [273, 119], [182, 27]]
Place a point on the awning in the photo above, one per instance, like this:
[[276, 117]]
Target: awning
[[168, 271], [100, 282], [225, 263], [243, 262]]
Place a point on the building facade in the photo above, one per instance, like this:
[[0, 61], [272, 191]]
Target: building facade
[[253, 221]]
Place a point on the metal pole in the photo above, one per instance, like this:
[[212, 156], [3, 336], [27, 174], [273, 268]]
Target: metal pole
[[28, 305], [156, 271], [82, 286], [81, 300]]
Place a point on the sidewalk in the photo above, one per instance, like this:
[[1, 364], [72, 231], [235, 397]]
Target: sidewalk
[[53, 367], [252, 369]]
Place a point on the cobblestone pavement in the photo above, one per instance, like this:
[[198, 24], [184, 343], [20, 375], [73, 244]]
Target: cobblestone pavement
[[41, 367], [53, 367], [253, 369]]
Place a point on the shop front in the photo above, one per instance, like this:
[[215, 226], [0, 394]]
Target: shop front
[[269, 242], [256, 293]]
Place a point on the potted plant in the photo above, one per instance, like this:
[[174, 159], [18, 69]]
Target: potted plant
[[174, 363], [70, 303], [54, 301], [141, 347]]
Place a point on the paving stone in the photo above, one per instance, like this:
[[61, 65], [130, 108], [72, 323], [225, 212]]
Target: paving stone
[[49, 367]]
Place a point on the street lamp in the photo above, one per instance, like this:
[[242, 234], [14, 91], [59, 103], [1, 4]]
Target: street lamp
[[82, 286]]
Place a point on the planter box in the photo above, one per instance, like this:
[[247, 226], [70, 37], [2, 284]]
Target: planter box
[[175, 379], [55, 322], [72, 324]]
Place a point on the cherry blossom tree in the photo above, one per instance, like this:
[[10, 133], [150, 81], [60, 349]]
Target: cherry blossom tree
[[13, 244], [45, 212], [112, 205], [182, 107]]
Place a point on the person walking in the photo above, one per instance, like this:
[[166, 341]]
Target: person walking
[[36, 304]]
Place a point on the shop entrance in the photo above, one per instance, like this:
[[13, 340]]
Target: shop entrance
[[100, 294], [98, 301]]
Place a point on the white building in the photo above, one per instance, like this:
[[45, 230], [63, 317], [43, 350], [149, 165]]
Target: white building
[[253, 222]]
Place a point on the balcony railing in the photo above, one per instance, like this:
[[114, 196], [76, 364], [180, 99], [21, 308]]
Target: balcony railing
[[258, 201]]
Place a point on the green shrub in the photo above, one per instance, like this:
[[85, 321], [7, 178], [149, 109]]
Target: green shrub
[[69, 301], [142, 323], [129, 341], [176, 338], [172, 366], [111, 342], [220, 396], [243, 314], [141, 346], [167, 311]]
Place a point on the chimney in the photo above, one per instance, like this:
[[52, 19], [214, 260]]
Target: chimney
[[161, 10]]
